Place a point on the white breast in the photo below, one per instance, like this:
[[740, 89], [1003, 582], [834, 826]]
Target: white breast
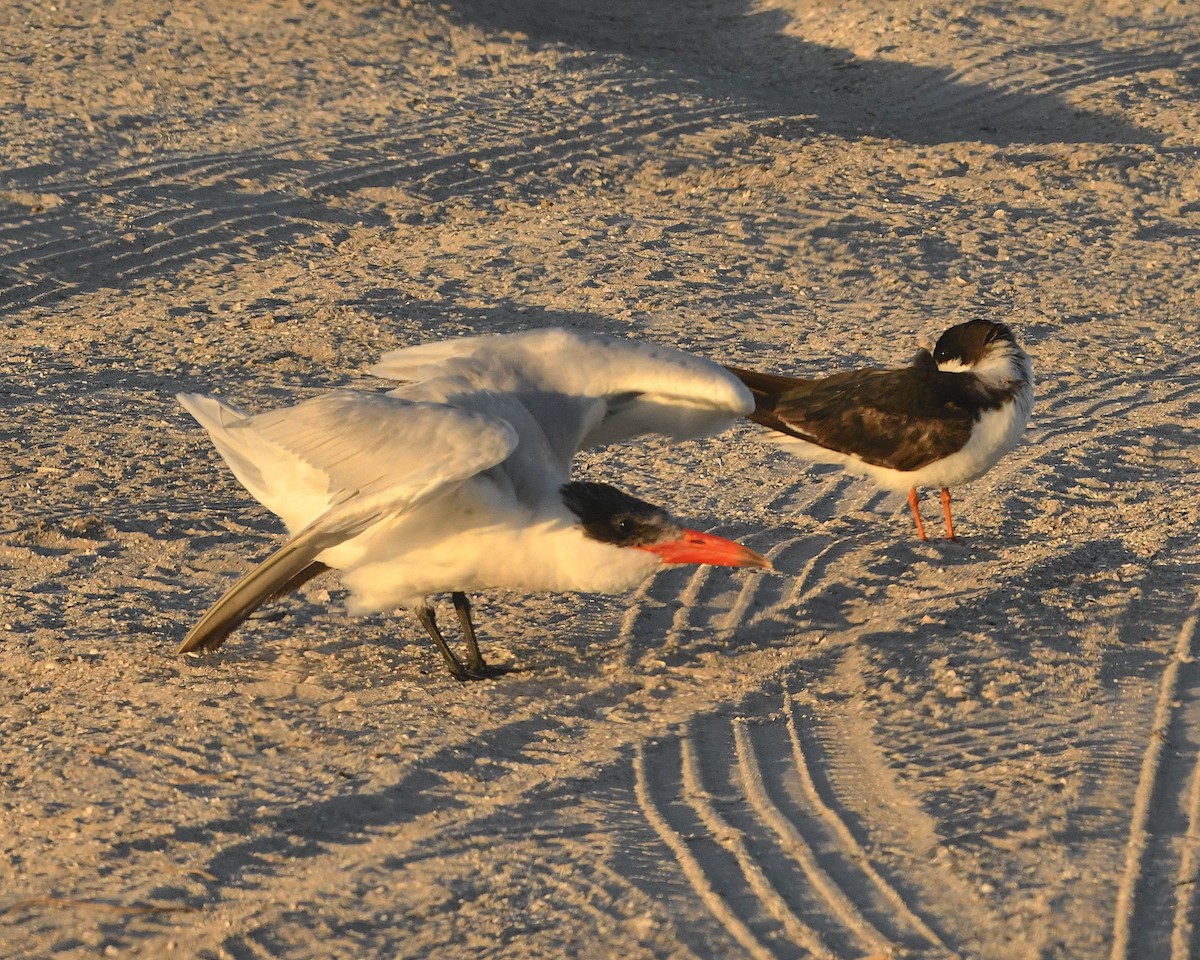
[[445, 548]]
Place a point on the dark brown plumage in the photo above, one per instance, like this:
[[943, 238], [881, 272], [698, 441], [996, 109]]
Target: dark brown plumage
[[902, 419]]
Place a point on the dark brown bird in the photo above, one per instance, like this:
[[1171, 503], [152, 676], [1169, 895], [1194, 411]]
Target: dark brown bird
[[945, 419]]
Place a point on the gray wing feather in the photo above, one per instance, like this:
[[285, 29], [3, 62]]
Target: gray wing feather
[[266, 581]]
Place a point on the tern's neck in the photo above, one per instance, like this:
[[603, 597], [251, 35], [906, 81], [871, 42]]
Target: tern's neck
[[560, 557], [1005, 369], [550, 550]]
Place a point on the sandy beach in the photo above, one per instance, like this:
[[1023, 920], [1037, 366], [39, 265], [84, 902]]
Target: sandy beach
[[986, 748]]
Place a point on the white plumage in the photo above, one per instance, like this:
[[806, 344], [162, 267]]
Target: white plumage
[[582, 390]]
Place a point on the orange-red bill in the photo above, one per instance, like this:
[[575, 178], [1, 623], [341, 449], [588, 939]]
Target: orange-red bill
[[696, 547]]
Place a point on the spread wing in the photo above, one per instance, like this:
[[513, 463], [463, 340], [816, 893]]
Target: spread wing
[[902, 419], [581, 389], [332, 467]]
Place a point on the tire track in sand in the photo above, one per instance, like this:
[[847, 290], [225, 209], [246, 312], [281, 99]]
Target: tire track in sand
[[702, 609], [765, 850], [1032, 73], [1157, 905]]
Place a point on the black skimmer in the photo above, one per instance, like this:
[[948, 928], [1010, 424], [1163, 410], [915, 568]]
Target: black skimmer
[[945, 419], [460, 480]]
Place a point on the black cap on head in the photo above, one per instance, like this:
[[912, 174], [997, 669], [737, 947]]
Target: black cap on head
[[613, 516], [969, 342]]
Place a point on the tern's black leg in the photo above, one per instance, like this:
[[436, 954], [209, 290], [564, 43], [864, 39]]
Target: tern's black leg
[[424, 613], [462, 606], [476, 666]]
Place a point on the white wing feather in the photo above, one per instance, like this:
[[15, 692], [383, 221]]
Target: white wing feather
[[608, 389], [301, 461]]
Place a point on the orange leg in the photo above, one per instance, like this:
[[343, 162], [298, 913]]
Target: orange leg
[[912, 502], [946, 510]]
